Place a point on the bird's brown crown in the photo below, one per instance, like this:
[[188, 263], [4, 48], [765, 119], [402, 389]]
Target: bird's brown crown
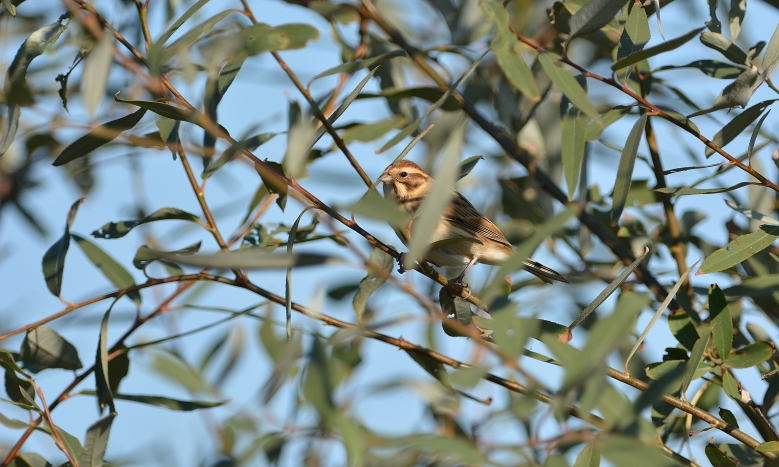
[[405, 181]]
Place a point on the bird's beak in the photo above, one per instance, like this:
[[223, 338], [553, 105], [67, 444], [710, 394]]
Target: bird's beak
[[385, 178]]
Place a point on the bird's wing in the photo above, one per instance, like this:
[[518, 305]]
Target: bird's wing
[[463, 216]]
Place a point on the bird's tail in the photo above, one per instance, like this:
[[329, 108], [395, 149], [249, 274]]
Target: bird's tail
[[544, 273]]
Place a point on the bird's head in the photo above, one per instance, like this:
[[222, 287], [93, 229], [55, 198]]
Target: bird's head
[[405, 181]]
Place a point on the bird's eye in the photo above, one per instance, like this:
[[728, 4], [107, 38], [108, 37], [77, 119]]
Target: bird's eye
[[404, 174]]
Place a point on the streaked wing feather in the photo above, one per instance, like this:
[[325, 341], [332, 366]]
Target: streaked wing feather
[[462, 215]]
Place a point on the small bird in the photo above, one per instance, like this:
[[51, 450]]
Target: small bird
[[406, 182]]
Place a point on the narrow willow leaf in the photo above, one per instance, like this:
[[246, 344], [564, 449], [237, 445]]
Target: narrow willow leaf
[[53, 263], [432, 208], [434, 367], [188, 39], [293, 233], [736, 126], [9, 127], [251, 258], [372, 281], [105, 396], [249, 144], [738, 8], [96, 68], [98, 137], [372, 131], [568, 85], [717, 457], [711, 68], [764, 284], [180, 21], [122, 228], [588, 457], [467, 166], [504, 46], [300, 139], [574, 130], [720, 318], [145, 255], [658, 314], [737, 93], [768, 446], [169, 111], [625, 170], [755, 132], [9, 6], [111, 269], [743, 247], [749, 356], [594, 15], [681, 191], [724, 46], [730, 386], [72, 444], [656, 50], [164, 402], [96, 442], [457, 307], [771, 57], [635, 35], [344, 105], [373, 206], [606, 293], [44, 348], [351, 67], [428, 94], [696, 357]]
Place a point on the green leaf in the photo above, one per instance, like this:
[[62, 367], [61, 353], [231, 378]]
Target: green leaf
[[593, 15], [696, 357], [764, 284], [738, 8], [169, 111], [504, 45], [145, 255], [755, 132], [300, 139], [371, 282], [11, 126], [656, 50], [96, 442], [98, 137], [711, 68], [730, 386], [510, 332], [628, 451], [251, 258], [71, 443], [432, 95], [636, 33], [771, 57], [372, 131], [467, 166], [351, 67], [249, 144], [112, 270], [186, 41], [262, 37], [180, 21], [53, 263], [105, 396], [606, 293], [164, 402], [171, 367], [344, 105], [95, 78], [768, 446], [13, 423], [373, 206], [736, 126], [764, 219], [717, 457], [457, 307], [122, 228], [724, 46], [684, 190], [44, 348], [720, 318], [657, 314], [568, 85], [743, 247], [588, 457], [625, 171], [574, 129], [749, 356], [432, 366]]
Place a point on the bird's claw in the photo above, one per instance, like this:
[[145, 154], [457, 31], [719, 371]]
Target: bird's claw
[[401, 268], [463, 287]]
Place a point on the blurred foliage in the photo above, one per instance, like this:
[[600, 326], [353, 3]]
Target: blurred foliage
[[529, 76]]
